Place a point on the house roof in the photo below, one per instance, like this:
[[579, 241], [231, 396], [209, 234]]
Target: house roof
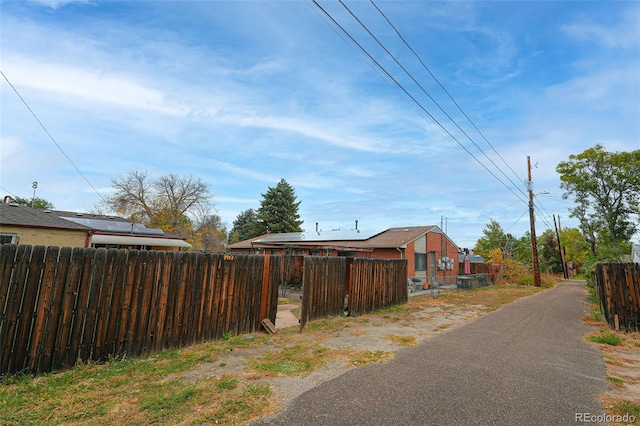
[[105, 229], [23, 216], [391, 238]]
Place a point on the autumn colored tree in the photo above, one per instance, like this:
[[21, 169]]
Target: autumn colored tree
[[168, 202], [495, 238]]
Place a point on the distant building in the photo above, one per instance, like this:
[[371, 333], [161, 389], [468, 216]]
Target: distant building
[[428, 250], [635, 253], [24, 225]]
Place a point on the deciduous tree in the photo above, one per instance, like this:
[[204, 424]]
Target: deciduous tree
[[36, 203], [605, 187], [495, 238], [168, 202]]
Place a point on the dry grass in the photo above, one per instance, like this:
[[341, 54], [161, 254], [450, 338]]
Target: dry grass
[[225, 381], [621, 360]]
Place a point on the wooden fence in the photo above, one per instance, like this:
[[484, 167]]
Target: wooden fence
[[618, 291], [365, 284], [323, 288], [377, 284], [61, 305]]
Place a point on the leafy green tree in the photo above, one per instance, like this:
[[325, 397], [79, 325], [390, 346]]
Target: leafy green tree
[[576, 249], [36, 203], [606, 190], [278, 212], [245, 227], [522, 249], [549, 252], [495, 238]]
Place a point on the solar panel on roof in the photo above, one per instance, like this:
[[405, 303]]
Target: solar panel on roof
[[338, 235], [115, 226]]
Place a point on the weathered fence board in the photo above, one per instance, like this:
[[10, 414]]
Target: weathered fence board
[[376, 284], [618, 291], [323, 288], [58, 306], [368, 284]]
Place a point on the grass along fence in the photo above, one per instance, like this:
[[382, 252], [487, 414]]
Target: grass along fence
[[59, 306], [618, 292]]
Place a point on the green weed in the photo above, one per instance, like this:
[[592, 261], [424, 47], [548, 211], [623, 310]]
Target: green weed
[[607, 338]]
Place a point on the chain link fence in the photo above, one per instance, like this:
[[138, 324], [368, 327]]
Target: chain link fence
[[451, 282]]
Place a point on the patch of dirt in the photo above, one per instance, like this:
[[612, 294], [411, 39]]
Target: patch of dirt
[[362, 333], [621, 363]]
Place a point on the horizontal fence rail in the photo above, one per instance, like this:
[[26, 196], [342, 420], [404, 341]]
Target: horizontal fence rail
[[61, 305], [618, 292]]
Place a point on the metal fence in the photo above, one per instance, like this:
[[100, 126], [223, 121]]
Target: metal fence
[[452, 282]]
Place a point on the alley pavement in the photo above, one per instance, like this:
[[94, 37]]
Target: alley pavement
[[526, 363]]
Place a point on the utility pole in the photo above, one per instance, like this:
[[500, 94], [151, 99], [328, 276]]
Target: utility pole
[[534, 243], [565, 271]]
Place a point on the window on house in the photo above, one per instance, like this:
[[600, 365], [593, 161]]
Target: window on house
[[421, 261], [6, 238]]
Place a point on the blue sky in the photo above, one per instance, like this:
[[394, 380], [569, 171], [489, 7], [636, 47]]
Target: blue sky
[[245, 93]]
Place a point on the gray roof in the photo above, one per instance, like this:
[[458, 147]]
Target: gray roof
[[318, 236], [114, 226], [19, 215], [12, 214], [473, 258], [357, 239]]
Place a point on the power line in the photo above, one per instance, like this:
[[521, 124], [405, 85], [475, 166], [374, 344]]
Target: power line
[[51, 137], [425, 91], [445, 90], [412, 97]]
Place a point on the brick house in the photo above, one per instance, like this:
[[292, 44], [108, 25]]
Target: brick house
[[428, 250], [24, 225]]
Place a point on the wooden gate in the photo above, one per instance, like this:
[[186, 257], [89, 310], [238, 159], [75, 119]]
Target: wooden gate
[[323, 288], [337, 285]]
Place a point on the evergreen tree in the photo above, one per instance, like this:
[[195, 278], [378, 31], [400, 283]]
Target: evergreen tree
[[278, 212], [245, 227]]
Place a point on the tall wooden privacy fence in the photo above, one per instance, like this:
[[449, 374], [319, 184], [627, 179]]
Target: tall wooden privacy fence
[[61, 305], [618, 291], [335, 285]]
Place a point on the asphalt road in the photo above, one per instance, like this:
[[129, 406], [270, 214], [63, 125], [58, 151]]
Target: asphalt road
[[524, 364]]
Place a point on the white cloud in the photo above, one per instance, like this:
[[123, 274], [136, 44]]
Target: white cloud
[[55, 4], [118, 90], [622, 34]]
